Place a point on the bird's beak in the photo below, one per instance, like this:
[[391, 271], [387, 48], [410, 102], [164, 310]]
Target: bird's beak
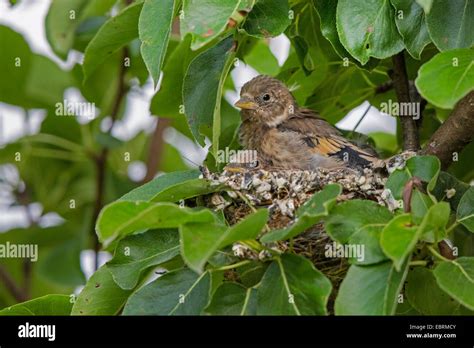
[[246, 103]]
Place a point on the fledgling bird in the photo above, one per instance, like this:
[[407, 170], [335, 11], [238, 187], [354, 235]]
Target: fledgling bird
[[287, 136]]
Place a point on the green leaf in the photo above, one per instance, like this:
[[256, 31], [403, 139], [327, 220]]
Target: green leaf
[[186, 189], [121, 218], [201, 240], [369, 238], [67, 272], [433, 227], [425, 4], [370, 290], [100, 296], [268, 18], [457, 279], [450, 24], [327, 14], [233, 299], [465, 212], [447, 182], [64, 19], [24, 74], [137, 253], [166, 102], [206, 19], [410, 21], [292, 286], [262, 59], [348, 217], [398, 239], [367, 29], [112, 36], [202, 89], [154, 28], [447, 77], [61, 24], [308, 214], [150, 190], [251, 273], [181, 292], [425, 295], [424, 167], [46, 305]]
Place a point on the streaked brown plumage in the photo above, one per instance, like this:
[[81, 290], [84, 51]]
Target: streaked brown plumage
[[289, 137]]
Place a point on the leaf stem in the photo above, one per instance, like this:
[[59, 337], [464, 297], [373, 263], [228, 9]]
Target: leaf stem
[[234, 265], [437, 254], [452, 227], [419, 263]]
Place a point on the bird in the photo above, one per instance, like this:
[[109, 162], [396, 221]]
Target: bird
[[289, 137]]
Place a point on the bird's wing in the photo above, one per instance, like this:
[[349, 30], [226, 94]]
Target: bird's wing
[[325, 140]]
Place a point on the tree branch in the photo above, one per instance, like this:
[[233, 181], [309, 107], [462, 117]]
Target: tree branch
[[101, 159], [411, 141], [12, 287], [454, 134], [156, 149]]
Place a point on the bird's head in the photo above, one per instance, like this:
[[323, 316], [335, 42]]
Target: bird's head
[[266, 100]]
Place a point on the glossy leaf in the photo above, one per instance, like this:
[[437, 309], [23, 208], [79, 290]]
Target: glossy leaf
[[348, 217], [370, 290], [100, 296], [368, 237], [425, 295], [137, 253], [206, 19], [44, 306], [447, 77], [113, 35], [268, 18], [181, 292], [154, 28], [450, 24], [398, 239], [201, 240], [457, 279], [410, 20], [465, 212], [121, 218], [367, 29], [233, 299], [292, 286], [202, 89], [150, 190], [166, 102]]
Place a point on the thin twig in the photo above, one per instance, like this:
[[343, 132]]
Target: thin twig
[[156, 149], [16, 291], [101, 160]]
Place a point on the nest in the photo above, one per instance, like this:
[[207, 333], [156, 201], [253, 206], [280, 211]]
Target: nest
[[283, 191]]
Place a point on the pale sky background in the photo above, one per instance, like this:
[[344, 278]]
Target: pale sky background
[[28, 18]]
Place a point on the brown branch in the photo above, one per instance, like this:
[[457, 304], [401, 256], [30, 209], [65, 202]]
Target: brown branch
[[454, 134], [411, 141], [101, 159], [156, 149], [17, 292]]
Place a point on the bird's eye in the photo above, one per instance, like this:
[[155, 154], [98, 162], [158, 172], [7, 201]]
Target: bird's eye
[[266, 97]]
